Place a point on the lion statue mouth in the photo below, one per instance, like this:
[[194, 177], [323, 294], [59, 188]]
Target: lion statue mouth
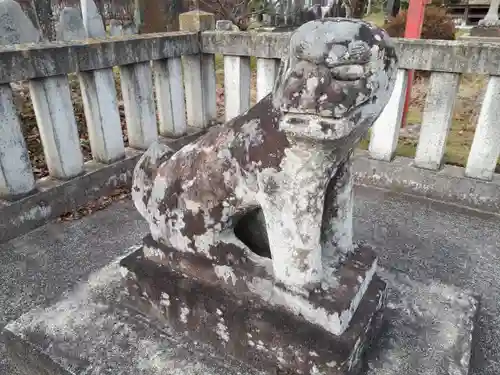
[[337, 70]]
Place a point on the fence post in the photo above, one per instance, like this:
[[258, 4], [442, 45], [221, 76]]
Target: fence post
[[138, 96], [485, 148], [16, 175], [97, 87], [436, 119], [385, 131], [267, 71], [237, 76], [58, 129], [170, 96], [199, 73]]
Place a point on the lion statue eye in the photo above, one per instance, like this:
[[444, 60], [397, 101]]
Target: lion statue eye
[[336, 54]]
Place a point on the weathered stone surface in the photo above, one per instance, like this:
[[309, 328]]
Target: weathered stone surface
[[92, 331], [53, 198], [436, 119], [56, 122], [16, 176], [92, 20], [15, 26], [479, 39], [199, 74], [289, 156], [263, 44], [196, 20]]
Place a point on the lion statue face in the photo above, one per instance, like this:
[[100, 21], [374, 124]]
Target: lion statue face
[[337, 70]]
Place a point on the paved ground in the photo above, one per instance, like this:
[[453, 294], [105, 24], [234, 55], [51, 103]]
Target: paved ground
[[424, 238], [38, 267]]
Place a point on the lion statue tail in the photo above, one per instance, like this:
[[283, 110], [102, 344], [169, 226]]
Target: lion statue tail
[[145, 173]]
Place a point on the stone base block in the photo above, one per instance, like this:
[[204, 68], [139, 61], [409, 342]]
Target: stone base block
[[429, 329], [93, 331], [256, 330], [485, 31], [480, 39], [96, 329], [231, 267]]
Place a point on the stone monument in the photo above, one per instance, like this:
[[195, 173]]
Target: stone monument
[[15, 26], [250, 265]]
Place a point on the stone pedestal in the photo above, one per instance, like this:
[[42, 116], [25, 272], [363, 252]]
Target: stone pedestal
[[196, 20], [97, 329], [315, 303], [485, 31], [248, 315]]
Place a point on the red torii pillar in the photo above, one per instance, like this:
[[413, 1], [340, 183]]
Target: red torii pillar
[[414, 22]]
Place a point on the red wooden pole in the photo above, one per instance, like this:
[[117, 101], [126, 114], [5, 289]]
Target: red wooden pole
[[414, 21]]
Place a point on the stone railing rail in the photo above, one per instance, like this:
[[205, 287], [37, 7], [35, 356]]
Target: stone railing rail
[[186, 99]]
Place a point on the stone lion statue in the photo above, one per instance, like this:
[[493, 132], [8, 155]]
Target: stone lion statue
[[287, 156]]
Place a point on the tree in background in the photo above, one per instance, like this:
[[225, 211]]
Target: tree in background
[[354, 8], [242, 12], [239, 12]]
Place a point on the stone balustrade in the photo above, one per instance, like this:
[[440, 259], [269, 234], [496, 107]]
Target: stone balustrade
[[145, 63], [179, 69], [47, 66]]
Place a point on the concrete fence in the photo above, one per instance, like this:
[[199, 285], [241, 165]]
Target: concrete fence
[[179, 69]]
